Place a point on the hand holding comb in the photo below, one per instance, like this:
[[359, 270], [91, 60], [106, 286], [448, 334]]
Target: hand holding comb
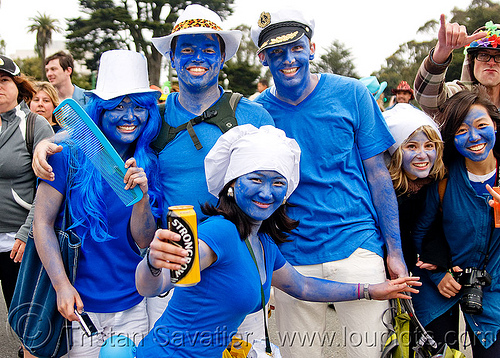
[[94, 144]]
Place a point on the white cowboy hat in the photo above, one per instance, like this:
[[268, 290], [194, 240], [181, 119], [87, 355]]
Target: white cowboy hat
[[121, 72], [197, 19]]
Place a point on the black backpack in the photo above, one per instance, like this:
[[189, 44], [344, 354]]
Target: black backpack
[[221, 114]]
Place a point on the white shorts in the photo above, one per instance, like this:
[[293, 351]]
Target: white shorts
[[362, 333], [132, 323]]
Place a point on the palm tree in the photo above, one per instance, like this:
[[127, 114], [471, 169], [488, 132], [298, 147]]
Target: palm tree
[[44, 26]]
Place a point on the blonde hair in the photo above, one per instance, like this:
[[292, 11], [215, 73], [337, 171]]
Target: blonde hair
[[48, 88], [399, 177]]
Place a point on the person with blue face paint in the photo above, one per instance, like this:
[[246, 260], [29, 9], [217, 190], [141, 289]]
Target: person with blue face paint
[[471, 151], [197, 48], [252, 172], [124, 108], [346, 203], [414, 161]]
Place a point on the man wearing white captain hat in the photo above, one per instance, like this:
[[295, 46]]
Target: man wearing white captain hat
[[345, 202]]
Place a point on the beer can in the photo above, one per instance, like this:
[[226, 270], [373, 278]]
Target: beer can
[[181, 219]]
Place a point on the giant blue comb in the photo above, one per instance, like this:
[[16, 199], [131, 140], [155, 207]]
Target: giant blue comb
[[89, 138]]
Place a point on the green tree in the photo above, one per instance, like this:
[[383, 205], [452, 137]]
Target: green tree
[[43, 25], [337, 59], [30, 66], [243, 70], [404, 63], [128, 24]]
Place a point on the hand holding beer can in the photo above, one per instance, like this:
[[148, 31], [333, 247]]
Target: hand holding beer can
[[182, 220]]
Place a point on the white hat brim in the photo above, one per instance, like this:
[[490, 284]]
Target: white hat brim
[[110, 95], [231, 39]]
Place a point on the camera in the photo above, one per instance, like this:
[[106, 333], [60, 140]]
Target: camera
[[472, 280]]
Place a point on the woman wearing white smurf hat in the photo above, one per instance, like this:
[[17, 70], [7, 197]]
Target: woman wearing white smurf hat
[[121, 72], [251, 171], [125, 109], [416, 160]]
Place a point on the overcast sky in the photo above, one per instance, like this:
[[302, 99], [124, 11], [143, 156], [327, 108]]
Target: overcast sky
[[372, 30]]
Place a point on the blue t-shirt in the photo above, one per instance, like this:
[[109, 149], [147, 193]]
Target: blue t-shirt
[[182, 171], [200, 320], [105, 277], [337, 127]]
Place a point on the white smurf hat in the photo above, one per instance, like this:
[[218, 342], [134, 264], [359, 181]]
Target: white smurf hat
[[121, 72], [245, 149], [197, 19], [281, 27], [404, 119]]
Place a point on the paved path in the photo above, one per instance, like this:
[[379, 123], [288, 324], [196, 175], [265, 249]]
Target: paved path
[[9, 344]]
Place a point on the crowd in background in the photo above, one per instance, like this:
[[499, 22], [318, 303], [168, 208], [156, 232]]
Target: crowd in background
[[313, 186]]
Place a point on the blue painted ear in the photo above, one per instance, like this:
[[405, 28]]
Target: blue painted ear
[[171, 55], [223, 60], [262, 59], [311, 56]]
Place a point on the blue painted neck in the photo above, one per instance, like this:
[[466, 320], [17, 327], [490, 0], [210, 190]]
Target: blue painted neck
[[197, 101], [296, 94]]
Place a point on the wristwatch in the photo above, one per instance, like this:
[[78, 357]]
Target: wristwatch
[[365, 291]]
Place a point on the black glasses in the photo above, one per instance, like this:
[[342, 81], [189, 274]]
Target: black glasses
[[485, 57]]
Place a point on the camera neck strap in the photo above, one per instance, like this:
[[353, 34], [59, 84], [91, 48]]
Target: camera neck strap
[[263, 297]]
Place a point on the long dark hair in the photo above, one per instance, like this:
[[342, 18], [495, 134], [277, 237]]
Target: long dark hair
[[453, 113], [277, 226]]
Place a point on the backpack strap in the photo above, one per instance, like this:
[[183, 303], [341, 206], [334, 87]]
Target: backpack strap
[[222, 114], [30, 132]]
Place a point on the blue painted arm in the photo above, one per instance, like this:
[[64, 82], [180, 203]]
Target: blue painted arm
[[385, 203], [289, 280]]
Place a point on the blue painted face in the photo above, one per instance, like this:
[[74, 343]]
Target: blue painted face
[[419, 155], [198, 60], [289, 64], [124, 124], [476, 136], [260, 193]]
